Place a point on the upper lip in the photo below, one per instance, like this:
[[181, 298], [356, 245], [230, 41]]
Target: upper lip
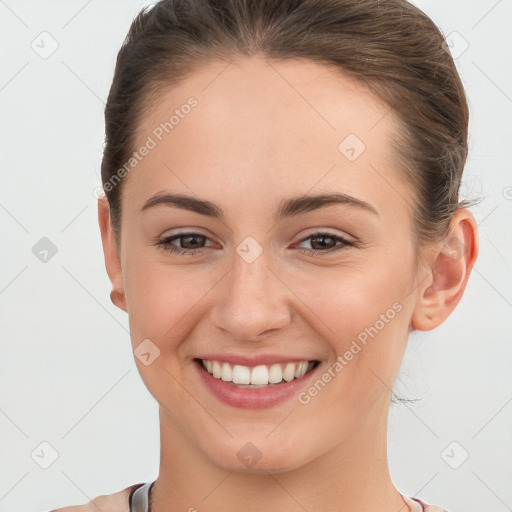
[[261, 359]]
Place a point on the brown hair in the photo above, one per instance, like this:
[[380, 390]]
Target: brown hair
[[390, 46]]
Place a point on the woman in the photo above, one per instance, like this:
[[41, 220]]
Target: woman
[[281, 211]]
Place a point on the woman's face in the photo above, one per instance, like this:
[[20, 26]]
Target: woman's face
[[262, 281]]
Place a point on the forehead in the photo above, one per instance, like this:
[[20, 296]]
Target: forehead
[[266, 126]]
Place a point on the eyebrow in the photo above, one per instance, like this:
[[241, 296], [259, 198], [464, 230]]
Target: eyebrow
[[287, 208]]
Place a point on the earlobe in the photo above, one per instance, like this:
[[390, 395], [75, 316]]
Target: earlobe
[[111, 254], [118, 299], [448, 274]]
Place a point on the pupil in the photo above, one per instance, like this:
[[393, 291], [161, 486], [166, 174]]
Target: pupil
[[322, 238], [191, 237]]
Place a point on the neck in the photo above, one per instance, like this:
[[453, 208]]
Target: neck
[[353, 476]]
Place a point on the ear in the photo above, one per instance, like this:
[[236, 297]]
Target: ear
[[448, 273], [111, 253]]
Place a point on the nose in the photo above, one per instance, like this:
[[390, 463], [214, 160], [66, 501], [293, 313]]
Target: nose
[[252, 302]]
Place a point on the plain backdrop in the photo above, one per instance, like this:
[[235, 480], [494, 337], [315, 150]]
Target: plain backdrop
[[70, 394]]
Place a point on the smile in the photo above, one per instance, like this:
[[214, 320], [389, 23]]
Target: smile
[[256, 386], [257, 376]]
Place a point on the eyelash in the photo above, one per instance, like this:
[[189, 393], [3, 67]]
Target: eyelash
[[165, 244]]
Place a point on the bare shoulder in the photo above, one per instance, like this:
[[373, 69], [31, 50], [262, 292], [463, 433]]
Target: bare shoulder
[[117, 502]]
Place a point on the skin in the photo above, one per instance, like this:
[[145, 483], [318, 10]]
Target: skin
[[264, 131]]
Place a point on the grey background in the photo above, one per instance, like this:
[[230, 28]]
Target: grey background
[[67, 374]]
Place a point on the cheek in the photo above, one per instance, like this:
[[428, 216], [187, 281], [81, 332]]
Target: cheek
[[163, 304], [347, 300], [164, 300], [360, 305], [364, 315], [350, 300]]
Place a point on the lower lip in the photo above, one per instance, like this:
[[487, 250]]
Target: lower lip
[[248, 398]]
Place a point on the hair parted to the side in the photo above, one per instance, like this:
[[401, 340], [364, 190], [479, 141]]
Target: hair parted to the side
[[390, 46]]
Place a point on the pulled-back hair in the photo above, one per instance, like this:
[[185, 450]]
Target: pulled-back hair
[[389, 46]]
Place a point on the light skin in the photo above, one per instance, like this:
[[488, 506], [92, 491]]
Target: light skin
[[263, 132]]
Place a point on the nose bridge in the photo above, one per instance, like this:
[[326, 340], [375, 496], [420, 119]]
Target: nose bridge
[[252, 299]]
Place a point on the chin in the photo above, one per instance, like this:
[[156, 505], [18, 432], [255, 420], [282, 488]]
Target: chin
[[257, 457]]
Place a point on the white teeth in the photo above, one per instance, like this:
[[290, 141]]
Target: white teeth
[[217, 370], [257, 376], [227, 372], [241, 374], [289, 372], [275, 374]]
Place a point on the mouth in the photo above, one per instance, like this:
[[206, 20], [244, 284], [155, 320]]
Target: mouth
[[259, 386], [257, 377]]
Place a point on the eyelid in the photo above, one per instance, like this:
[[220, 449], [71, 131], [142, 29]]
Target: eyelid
[[342, 243], [189, 232], [330, 232], [164, 242], [309, 233], [192, 230]]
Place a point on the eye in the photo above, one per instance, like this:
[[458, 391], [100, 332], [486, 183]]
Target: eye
[[190, 243], [325, 243]]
